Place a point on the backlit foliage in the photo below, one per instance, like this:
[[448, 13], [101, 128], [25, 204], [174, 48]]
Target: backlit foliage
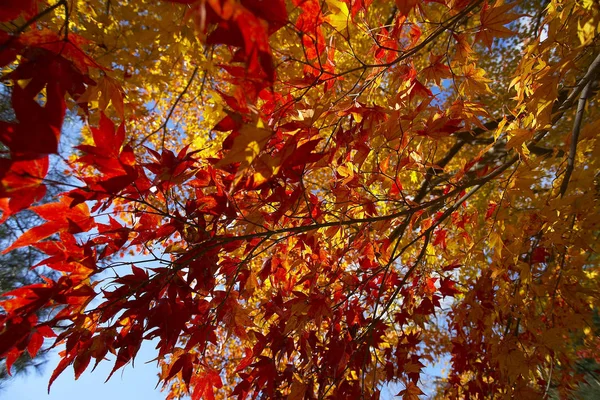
[[310, 199]]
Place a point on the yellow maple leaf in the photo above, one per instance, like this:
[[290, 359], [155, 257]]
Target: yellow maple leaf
[[475, 81], [297, 391], [493, 20], [340, 14], [411, 392], [246, 148]]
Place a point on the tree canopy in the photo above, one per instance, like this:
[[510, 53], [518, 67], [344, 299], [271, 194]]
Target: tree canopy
[[309, 198]]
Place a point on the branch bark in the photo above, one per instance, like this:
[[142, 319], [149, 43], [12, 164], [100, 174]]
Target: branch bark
[[576, 129]]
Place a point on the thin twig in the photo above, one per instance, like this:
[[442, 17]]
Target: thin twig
[[32, 21], [66, 26], [163, 126]]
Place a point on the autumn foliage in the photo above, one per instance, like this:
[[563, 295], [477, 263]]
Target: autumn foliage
[[309, 199]]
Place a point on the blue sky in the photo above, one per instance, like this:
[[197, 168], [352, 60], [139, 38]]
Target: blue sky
[[126, 384]]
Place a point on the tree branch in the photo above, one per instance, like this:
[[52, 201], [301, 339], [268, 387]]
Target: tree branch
[[592, 72], [576, 129]]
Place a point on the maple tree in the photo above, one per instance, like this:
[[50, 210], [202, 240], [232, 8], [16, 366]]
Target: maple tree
[[321, 197]]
